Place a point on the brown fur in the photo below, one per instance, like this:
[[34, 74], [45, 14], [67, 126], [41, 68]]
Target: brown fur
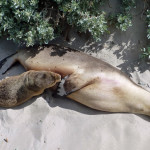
[[91, 81], [16, 90]]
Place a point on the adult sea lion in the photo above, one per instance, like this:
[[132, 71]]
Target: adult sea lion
[[90, 81], [16, 90]]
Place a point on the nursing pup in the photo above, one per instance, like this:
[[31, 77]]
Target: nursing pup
[[16, 90]]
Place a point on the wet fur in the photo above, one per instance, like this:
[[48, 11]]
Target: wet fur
[[91, 81], [16, 90]]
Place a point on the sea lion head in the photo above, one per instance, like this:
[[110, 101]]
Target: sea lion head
[[42, 79]]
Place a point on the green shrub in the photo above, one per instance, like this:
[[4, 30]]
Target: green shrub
[[32, 21], [148, 24], [123, 22], [85, 16], [22, 22], [146, 51], [127, 5]]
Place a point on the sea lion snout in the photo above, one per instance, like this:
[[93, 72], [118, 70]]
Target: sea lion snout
[[56, 76]]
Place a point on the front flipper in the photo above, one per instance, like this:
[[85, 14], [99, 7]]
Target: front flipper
[[77, 81]]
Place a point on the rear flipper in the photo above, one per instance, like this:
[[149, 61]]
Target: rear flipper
[[5, 59], [6, 64]]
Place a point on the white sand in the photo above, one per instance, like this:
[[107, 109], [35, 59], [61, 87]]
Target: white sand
[[46, 123]]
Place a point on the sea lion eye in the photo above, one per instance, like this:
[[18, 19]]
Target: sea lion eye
[[43, 76], [40, 76]]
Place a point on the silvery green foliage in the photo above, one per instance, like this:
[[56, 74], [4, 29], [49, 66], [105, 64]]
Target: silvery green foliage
[[21, 22], [128, 5], [123, 22], [96, 25], [124, 19], [146, 51], [148, 21], [28, 21], [85, 16]]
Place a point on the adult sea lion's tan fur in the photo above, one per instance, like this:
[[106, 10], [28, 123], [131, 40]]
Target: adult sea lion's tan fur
[[15, 90], [91, 81]]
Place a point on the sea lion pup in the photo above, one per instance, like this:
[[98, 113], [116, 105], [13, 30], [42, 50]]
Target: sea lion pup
[[16, 90], [90, 81]]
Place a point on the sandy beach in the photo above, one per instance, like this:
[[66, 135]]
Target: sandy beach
[[47, 123]]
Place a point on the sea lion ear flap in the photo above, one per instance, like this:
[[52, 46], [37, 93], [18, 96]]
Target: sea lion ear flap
[[44, 76]]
